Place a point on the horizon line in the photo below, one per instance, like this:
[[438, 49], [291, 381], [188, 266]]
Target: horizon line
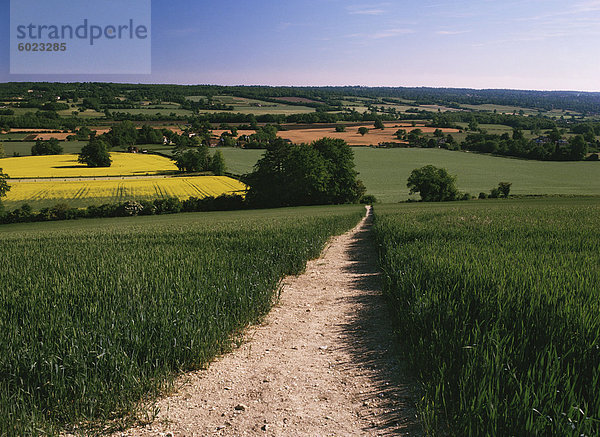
[[305, 86]]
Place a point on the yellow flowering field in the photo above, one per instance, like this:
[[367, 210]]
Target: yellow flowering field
[[66, 166], [77, 193]]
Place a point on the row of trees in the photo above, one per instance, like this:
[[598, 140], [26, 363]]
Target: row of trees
[[552, 147], [50, 147], [169, 205], [318, 97], [199, 160]]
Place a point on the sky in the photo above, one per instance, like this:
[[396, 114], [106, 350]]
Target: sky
[[525, 44]]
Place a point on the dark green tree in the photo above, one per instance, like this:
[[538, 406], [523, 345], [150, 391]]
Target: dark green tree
[[517, 135], [434, 184], [287, 175], [4, 188], [504, 189], [555, 135], [50, 147], [122, 135], [193, 160], [147, 135], [343, 185], [363, 130], [578, 148], [319, 173], [95, 154], [379, 124], [217, 164]]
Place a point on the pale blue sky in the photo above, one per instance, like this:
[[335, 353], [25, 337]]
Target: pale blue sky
[[525, 44]]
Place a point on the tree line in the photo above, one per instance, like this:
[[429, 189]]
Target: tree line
[[583, 102]]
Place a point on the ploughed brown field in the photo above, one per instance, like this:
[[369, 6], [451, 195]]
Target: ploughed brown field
[[59, 136], [352, 137], [16, 131]]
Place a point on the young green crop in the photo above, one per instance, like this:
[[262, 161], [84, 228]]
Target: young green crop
[[497, 304], [95, 316]]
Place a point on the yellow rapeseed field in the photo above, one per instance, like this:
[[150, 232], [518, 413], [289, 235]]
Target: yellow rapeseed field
[[114, 191], [66, 166]]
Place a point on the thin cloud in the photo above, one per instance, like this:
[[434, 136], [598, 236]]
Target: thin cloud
[[451, 32], [390, 33], [378, 9], [386, 33], [368, 12]]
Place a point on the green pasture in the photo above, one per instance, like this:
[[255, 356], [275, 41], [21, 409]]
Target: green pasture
[[385, 171]]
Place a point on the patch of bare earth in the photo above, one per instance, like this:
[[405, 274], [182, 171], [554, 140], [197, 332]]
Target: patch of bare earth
[[323, 363]]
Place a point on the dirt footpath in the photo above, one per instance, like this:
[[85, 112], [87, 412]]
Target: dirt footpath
[[322, 363]]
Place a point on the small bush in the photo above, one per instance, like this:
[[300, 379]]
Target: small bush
[[368, 199]]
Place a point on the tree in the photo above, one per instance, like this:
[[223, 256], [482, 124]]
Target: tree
[[193, 160], [434, 184], [147, 135], [122, 134], [4, 187], [343, 185], [363, 130], [319, 173], [227, 141], [517, 135], [50, 147], [504, 189], [217, 164], [95, 154], [578, 148], [555, 135], [379, 124], [286, 175], [340, 128]]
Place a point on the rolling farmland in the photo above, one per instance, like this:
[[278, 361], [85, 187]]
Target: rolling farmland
[[385, 171], [495, 302]]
